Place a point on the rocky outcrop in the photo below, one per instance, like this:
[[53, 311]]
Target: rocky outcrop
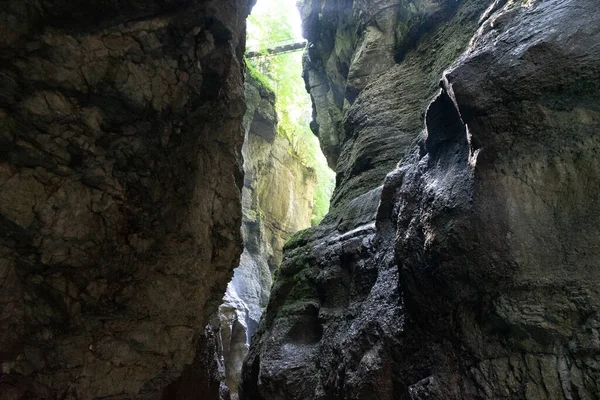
[[335, 312], [357, 44], [277, 202], [120, 176], [497, 212], [352, 43], [471, 274]]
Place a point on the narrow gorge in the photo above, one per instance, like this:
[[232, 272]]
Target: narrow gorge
[[162, 233], [277, 201]]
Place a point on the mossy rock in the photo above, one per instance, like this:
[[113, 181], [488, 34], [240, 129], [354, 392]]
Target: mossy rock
[[255, 78], [299, 239]]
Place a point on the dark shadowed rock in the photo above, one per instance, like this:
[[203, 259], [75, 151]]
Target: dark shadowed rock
[[333, 323], [120, 177], [498, 231]]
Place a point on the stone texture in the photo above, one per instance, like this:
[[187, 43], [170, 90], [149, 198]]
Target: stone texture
[[120, 175], [475, 277], [498, 217], [277, 202], [335, 313], [352, 43], [376, 126]]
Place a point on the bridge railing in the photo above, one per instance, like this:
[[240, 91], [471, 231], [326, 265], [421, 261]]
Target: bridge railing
[[283, 46]]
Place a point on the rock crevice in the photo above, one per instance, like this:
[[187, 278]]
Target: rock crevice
[[277, 201]]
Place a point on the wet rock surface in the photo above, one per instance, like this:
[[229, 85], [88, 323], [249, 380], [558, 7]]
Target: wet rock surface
[[498, 216], [335, 313], [471, 274], [120, 205], [353, 43]]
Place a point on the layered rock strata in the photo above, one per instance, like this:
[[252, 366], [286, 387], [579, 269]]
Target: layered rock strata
[[471, 273], [120, 206], [277, 202]]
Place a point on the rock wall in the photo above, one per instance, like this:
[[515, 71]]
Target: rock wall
[[335, 312], [120, 176], [498, 214], [277, 202], [471, 273]]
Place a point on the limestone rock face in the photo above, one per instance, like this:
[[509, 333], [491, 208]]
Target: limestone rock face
[[472, 273], [352, 43], [277, 202], [120, 176], [400, 68]]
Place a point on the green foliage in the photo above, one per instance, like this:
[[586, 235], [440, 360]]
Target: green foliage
[[261, 80], [270, 23]]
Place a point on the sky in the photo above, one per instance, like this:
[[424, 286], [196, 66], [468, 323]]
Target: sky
[[263, 6]]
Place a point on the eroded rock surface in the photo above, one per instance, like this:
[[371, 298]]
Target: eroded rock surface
[[353, 43], [498, 233], [120, 176], [332, 324], [491, 217]]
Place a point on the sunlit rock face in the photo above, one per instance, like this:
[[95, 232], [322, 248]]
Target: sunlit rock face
[[472, 272], [277, 202], [120, 191]]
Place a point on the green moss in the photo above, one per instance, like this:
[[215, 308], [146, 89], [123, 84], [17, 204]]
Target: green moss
[[298, 239], [283, 74], [295, 284], [259, 80]]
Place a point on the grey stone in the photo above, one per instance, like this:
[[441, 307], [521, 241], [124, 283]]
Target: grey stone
[[120, 192], [478, 278], [277, 201]]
